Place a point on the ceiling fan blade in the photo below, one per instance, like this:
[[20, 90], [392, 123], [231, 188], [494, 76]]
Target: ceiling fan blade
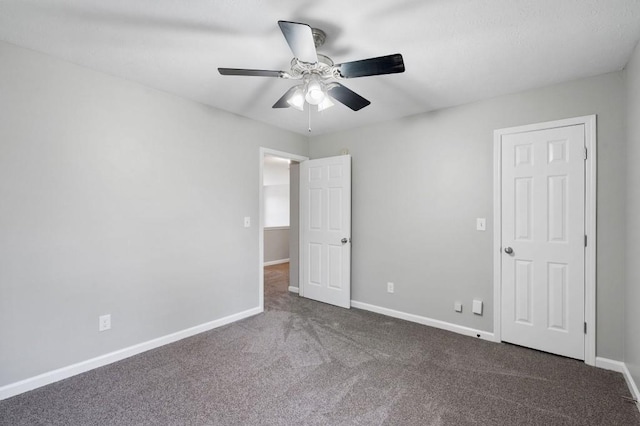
[[389, 64], [282, 102], [347, 97], [300, 39], [252, 73]]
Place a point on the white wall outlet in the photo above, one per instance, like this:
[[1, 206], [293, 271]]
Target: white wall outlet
[[477, 307], [390, 287], [104, 322], [247, 221], [457, 306], [481, 224]]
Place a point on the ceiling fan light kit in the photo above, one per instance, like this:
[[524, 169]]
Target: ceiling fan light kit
[[318, 72]]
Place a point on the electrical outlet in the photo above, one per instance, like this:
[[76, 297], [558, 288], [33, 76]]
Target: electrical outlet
[[390, 287], [477, 307], [457, 306], [104, 322]]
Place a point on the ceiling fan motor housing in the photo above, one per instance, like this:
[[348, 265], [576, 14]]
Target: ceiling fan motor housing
[[323, 68]]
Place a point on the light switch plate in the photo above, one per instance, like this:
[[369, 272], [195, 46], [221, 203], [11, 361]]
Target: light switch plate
[[247, 221], [481, 224]]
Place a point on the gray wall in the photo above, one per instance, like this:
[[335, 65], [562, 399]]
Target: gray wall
[[632, 299], [120, 199], [420, 182], [294, 224], [116, 198], [276, 244]]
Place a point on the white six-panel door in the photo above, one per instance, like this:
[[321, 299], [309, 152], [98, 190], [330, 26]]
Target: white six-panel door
[[543, 240], [325, 230]]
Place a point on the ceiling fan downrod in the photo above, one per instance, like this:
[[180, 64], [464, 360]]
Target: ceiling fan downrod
[[319, 37]]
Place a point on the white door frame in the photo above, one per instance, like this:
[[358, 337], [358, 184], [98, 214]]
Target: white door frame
[[589, 123], [281, 154]]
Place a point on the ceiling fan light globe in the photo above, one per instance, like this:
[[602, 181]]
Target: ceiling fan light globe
[[297, 100], [315, 93], [326, 103]]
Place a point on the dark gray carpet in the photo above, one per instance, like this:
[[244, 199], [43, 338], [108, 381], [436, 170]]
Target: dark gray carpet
[[303, 362]]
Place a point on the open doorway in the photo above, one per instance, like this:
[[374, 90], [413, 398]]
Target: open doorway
[[279, 225]]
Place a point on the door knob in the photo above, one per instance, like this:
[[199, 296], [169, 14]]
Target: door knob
[[508, 250], [344, 241]]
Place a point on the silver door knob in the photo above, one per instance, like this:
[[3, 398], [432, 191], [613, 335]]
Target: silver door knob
[[344, 241], [508, 250]]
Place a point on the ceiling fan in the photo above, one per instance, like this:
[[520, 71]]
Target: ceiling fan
[[318, 72]]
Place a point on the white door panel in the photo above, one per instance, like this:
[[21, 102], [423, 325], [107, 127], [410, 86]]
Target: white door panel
[[543, 205], [325, 222]]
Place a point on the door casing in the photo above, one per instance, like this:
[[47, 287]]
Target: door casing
[[589, 123]]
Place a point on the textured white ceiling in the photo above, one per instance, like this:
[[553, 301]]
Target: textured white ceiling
[[455, 51]]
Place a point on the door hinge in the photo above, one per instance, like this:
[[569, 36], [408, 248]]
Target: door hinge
[[585, 240], [585, 328], [586, 154]]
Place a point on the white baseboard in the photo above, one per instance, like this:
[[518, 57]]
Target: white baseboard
[[49, 377], [620, 367], [276, 262], [485, 335], [294, 289], [610, 364]]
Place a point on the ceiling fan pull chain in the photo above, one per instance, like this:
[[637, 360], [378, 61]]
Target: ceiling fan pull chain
[[309, 109]]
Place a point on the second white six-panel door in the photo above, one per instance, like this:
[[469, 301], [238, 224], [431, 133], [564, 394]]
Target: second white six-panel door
[[325, 230], [543, 239]]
